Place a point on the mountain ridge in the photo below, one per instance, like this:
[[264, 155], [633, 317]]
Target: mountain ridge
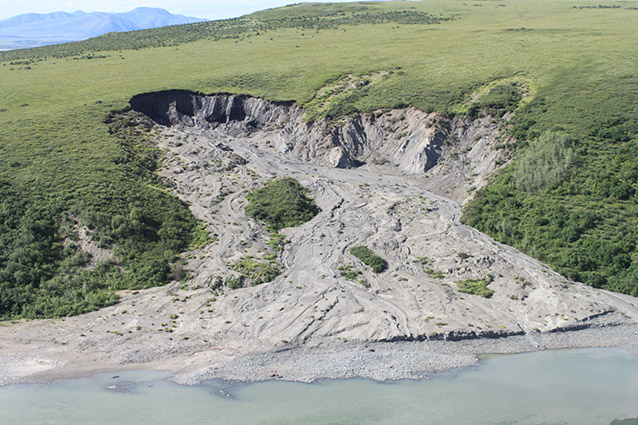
[[37, 29]]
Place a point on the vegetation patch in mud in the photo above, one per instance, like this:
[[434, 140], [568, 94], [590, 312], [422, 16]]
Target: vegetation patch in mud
[[427, 262], [253, 271], [369, 258], [349, 272], [476, 286], [202, 237], [281, 203]]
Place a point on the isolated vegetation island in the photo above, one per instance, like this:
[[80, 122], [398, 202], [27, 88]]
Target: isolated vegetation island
[[79, 168], [369, 258], [281, 203]]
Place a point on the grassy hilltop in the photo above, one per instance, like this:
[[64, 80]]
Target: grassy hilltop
[[568, 198]]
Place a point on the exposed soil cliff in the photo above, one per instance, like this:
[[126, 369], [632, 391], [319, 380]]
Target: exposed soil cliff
[[408, 139]]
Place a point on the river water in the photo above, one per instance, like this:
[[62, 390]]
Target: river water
[[580, 387]]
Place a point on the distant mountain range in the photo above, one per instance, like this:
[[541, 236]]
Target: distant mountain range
[[38, 29]]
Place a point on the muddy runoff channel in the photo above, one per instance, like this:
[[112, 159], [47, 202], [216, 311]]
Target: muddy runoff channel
[[391, 180]]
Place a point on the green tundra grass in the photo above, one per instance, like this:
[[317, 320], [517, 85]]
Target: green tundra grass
[[66, 160]]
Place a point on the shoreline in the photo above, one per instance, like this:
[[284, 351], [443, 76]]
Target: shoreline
[[378, 361], [403, 360]]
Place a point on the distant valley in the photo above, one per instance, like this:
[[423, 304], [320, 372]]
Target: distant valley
[[40, 29]]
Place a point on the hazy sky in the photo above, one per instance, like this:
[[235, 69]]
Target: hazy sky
[[211, 9]]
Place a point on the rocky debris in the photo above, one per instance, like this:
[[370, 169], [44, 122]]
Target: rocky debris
[[383, 361]]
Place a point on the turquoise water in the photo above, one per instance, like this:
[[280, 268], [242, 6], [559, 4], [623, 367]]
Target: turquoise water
[[591, 386]]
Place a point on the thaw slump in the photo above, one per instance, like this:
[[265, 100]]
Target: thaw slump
[[407, 138], [392, 181], [375, 177]]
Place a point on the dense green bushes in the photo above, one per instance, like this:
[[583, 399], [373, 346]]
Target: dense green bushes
[[43, 273], [281, 203], [369, 258], [572, 205], [545, 163], [570, 196]]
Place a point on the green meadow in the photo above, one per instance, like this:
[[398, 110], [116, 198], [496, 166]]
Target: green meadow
[[69, 159]]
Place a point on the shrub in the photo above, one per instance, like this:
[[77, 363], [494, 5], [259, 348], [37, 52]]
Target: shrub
[[436, 274], [476, 286], [202, 237], [369, 258], [281, 203], [549, 160], [232, 282], [349, 272], [499, 99], [254, 272]]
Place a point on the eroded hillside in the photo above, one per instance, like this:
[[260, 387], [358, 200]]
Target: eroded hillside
[[391, 181], [370, 176]]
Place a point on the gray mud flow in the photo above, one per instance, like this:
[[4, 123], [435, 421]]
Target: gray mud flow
[[391, 180]]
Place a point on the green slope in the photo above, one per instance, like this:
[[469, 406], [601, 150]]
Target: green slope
[[61, 160]]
